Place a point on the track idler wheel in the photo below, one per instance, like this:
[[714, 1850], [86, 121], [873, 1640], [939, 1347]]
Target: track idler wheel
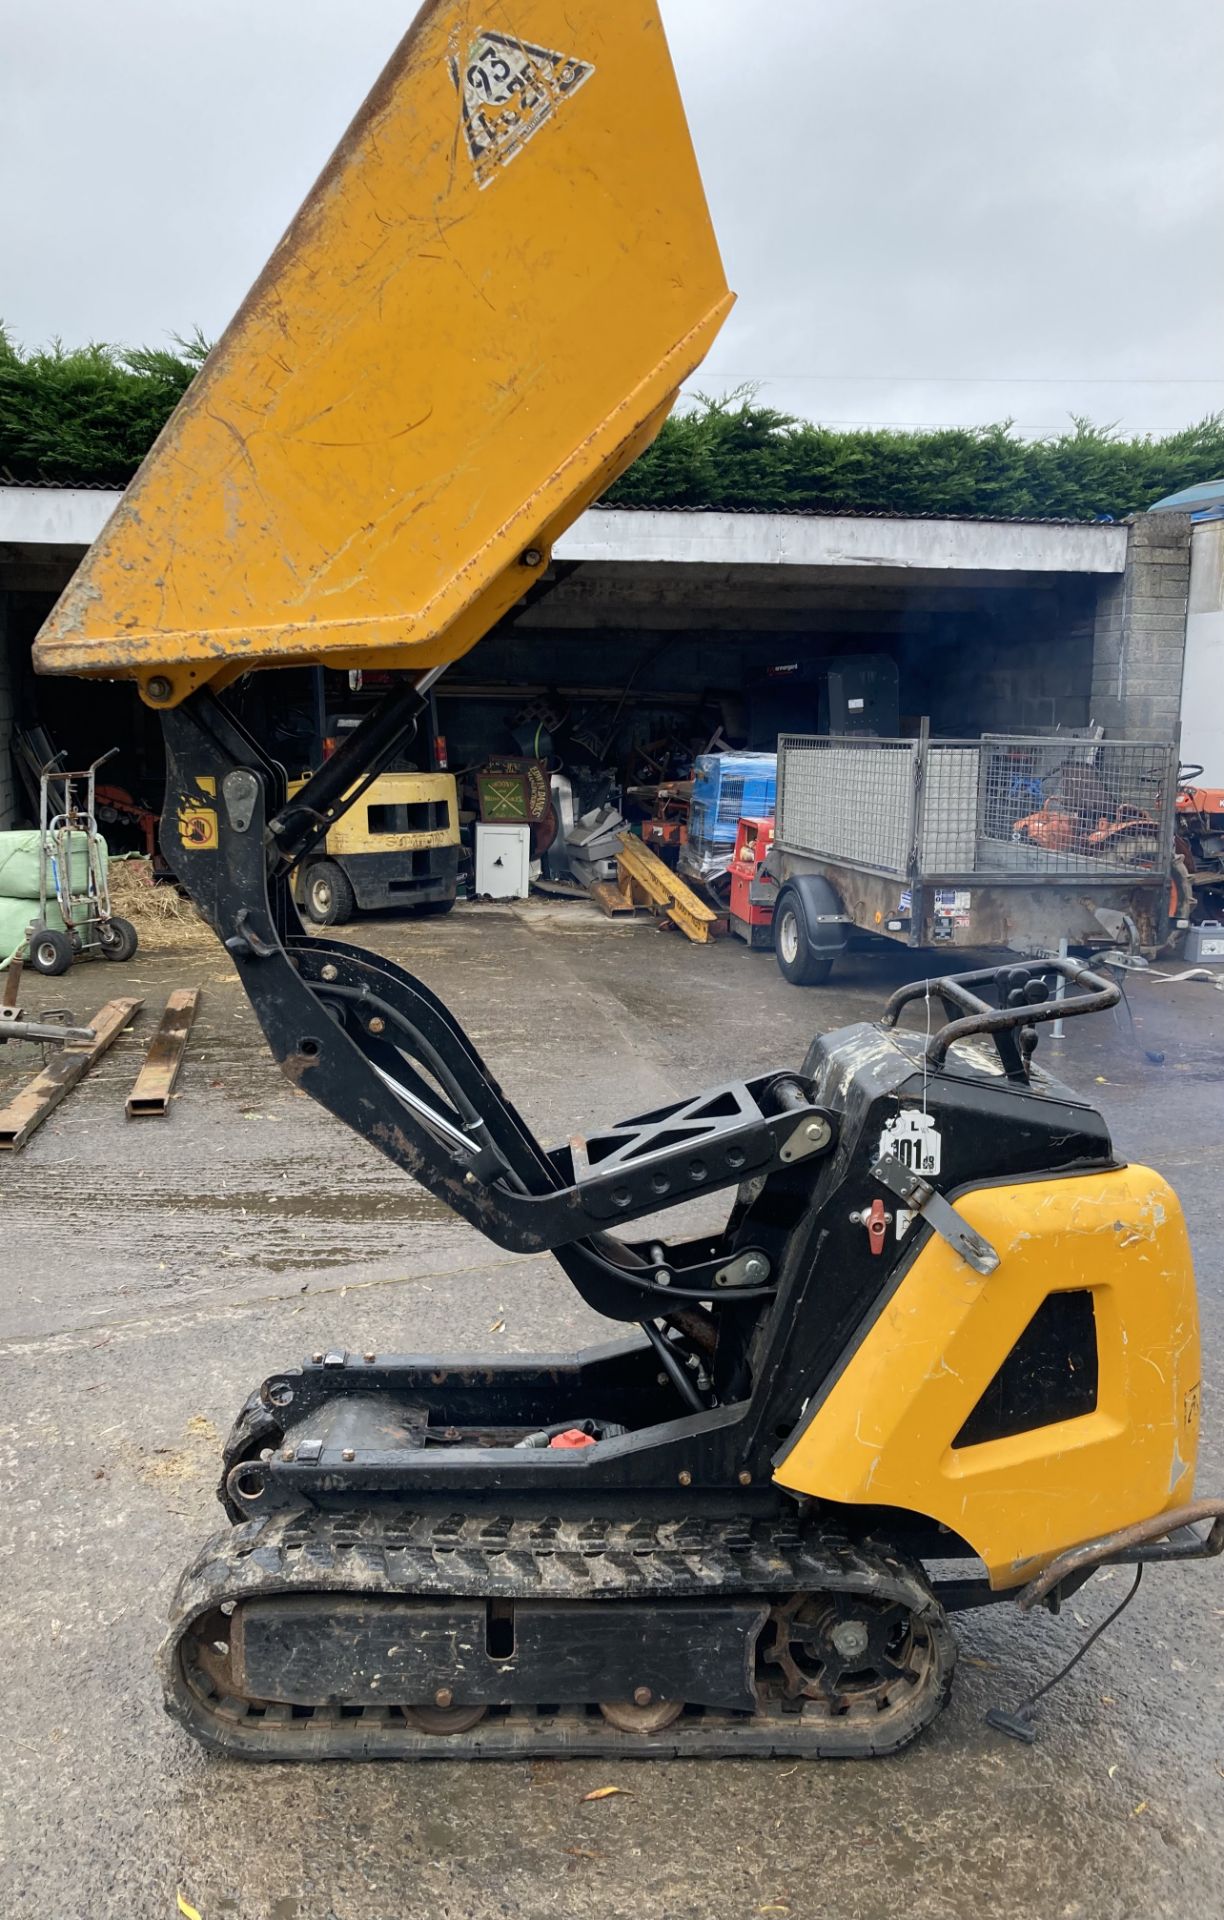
[[444, 1720], [650, 1716]]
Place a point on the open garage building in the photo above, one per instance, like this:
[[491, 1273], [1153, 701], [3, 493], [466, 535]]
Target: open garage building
[[655, 633]]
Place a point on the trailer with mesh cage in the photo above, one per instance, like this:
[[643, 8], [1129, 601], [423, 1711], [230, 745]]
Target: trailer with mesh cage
[[1012, 841]]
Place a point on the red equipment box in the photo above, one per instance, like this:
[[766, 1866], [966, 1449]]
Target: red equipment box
[[664, 835], [754, 893]]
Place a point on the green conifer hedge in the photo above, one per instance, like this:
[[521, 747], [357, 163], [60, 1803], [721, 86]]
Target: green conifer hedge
[[91, 413], [87, 413]]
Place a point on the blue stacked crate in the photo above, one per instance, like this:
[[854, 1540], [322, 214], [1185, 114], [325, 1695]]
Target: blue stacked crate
[[727, 787]]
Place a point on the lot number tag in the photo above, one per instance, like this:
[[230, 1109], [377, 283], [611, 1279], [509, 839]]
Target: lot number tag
[[914, 1139]]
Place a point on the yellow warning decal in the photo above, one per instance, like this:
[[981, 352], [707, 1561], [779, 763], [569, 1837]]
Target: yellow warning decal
[[197, 828], [509, 88]]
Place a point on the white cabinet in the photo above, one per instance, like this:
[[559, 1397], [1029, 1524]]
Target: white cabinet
[[503, 856]]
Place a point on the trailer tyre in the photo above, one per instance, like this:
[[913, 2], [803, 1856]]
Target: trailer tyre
[[117, 938], [329, 897], [50, 950], [798, 961]]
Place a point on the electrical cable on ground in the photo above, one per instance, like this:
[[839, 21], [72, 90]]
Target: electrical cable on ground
[[1017, 1721]]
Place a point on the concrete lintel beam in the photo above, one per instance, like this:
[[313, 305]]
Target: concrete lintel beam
[[843, 540]]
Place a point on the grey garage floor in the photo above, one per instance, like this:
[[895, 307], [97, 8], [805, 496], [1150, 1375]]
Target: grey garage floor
[[153, 1272]]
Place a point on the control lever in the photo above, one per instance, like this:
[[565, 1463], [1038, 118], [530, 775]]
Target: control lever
[[937, 1212]]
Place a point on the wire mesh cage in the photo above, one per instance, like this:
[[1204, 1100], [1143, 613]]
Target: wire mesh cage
[[849, 799], [947, 807], [1061, 805], [1009, 804]]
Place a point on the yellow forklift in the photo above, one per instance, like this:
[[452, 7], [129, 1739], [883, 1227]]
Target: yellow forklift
[[396, 844], [943, 1348]]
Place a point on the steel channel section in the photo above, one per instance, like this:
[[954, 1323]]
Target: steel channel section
[[150, 1097]]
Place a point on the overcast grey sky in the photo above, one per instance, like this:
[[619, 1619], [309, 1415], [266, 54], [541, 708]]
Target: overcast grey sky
[[932, 210]]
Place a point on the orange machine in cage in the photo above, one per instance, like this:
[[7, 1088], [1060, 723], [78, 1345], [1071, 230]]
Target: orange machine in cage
[[754, 893]]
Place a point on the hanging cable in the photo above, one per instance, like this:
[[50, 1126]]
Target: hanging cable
[[1018, 1721]]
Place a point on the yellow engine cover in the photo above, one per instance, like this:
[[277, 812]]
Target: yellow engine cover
[[482, 313], [883, 1434]]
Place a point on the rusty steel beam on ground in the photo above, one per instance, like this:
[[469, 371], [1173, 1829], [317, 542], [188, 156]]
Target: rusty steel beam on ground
[[155, 1082], [30, 1106]]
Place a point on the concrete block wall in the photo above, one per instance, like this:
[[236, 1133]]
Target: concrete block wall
[[1020, 660], [1018, 681], [1139, 641], [9, 805]]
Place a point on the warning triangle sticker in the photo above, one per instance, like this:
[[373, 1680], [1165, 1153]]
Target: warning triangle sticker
[[509, 88]]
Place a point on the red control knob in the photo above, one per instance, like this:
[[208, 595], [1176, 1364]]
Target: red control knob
[[876, 1223]]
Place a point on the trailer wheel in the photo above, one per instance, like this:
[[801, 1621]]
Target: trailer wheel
[[117, 938], [798, 961], [329, 896], [50, 950]]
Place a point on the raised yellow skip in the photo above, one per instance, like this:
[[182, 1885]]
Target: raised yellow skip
[[883, 1435], [480, 316]]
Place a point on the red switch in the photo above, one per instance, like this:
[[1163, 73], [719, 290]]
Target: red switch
[[876, 1223]]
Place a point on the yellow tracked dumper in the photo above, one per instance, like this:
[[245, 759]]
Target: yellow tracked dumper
[[945, 1348]]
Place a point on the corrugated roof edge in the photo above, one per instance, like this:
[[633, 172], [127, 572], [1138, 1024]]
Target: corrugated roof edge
[[621, 506], [62, 486], [867, 513]]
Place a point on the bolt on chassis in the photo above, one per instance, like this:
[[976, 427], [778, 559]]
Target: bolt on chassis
[[944, 1347]]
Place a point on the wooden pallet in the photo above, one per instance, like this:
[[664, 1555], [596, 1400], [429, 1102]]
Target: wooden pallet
[[646, 878]]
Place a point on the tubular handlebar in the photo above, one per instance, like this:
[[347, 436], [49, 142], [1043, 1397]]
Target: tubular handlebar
[[978, 1016], [1124, 1541]]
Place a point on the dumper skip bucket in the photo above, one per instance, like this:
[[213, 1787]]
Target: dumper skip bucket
[[480, 316]]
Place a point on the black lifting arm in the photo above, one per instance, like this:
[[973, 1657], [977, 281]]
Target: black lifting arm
[[373, 1045]]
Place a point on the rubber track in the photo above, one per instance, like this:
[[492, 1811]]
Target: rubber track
[[538, 1558]]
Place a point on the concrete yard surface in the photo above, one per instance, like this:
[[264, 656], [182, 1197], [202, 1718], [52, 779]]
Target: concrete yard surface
[[154, 1271]]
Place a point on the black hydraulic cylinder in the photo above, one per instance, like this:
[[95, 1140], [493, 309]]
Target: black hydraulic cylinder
[[330, 791]]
